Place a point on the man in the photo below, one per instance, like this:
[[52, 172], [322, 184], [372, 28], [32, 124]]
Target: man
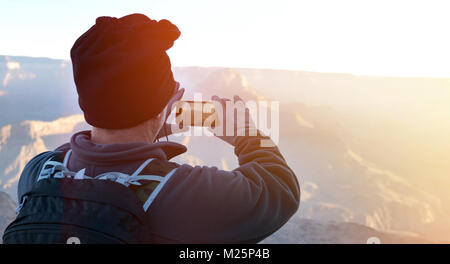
[[113, 184]]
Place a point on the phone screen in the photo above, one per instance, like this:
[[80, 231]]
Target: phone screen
[[194, 113]]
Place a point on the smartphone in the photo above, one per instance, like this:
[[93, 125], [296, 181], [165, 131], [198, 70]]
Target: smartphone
[[195, 113]]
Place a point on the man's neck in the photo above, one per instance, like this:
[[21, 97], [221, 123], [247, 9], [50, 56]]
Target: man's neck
[[122, 136]]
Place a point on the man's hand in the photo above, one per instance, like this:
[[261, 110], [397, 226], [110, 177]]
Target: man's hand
[[234, 119], [178, 94], [166, 129]]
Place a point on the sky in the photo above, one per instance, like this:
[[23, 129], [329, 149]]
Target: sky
[[388, 38]]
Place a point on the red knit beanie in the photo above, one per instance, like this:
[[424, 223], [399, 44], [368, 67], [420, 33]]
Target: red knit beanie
[[122, 71]]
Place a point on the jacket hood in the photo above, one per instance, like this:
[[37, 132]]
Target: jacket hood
[[83, 148]]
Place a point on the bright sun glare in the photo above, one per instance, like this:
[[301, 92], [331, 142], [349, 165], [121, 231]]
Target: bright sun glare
[[390, 38]]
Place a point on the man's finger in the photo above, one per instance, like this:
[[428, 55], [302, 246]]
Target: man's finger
[[179, 94]]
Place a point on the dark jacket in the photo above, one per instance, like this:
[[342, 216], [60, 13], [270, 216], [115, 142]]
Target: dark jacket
[[200, 204]]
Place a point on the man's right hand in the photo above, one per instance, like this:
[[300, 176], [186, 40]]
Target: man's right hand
[[234, 119]]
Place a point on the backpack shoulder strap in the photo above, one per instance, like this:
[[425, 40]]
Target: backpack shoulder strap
[[146, 182], [32, 169], [66, 157], [157, 173]]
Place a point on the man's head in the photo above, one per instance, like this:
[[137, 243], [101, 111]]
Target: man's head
[[122, 71], [146, 131]]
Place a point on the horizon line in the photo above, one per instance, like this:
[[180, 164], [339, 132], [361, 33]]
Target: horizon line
[[373, 75]]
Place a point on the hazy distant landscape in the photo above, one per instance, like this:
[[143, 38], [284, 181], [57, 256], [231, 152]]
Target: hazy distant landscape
[[371, 153]]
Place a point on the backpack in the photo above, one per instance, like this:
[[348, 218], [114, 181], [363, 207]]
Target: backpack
[[70, 207]]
